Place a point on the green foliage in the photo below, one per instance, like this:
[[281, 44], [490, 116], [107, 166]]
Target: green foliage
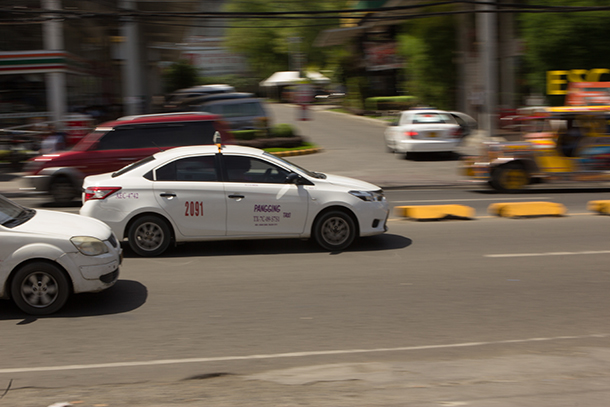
[[390, 102], [564, 41], [282, 130], [355, 89], [428, 46], [180, 75], [245, 134], [266, 43]]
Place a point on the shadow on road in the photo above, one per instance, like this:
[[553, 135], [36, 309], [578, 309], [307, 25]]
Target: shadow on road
[[124, 296], [51, 204], [432, 156], [275, 246], [536, 190]]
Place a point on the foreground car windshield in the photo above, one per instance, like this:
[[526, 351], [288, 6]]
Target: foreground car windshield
[[12, 214]]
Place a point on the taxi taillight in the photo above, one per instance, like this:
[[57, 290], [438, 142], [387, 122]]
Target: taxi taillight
[[93, 193], [411, 134]]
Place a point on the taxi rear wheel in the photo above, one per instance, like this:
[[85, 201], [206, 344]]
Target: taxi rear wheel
[[40, 288], [334, 230], [149, 236], [511, 177], [62, 190]]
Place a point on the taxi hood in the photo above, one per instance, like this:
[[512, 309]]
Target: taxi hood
[[61, 224], [351, 183]]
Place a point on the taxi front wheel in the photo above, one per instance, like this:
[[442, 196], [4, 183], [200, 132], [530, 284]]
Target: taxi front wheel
[[334, 230], [149, 236]]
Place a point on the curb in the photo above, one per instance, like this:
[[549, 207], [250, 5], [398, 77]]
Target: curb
[[435, 212], [601, 207], [502, 209], [526, 209]]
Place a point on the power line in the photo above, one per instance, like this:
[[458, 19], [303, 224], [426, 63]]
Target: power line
[[19, 15]]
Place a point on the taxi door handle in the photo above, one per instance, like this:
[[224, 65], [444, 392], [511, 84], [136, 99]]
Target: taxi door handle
[[236, 196], [168, 195]]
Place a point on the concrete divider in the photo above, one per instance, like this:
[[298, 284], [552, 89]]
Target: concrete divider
[[602, 207], [431, 212], [525, 209]]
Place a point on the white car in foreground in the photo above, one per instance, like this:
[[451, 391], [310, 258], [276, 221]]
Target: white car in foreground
[[230, 192], [427, 131], [46, 255]]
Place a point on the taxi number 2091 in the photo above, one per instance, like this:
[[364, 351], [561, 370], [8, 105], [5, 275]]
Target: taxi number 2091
[[193, 208]]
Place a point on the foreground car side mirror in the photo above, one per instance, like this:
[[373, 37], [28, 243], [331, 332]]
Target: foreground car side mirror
[[294, 178]]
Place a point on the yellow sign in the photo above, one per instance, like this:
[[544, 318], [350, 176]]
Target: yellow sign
[[557, 81]]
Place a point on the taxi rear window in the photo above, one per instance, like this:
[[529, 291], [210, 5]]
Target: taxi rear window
[[133, 166]]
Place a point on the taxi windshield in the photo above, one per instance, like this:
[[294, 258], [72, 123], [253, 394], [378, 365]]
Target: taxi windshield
[[13, 214], [312, 174]]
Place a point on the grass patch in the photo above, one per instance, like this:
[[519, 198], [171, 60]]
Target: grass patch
[[305, 146]]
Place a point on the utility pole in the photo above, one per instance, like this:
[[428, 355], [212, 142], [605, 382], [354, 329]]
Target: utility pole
[[488, 39], [53, 40], [132, 81]]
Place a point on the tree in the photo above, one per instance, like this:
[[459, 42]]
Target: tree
[[428, 46], [180, 75], [270, 45], [564, 41]]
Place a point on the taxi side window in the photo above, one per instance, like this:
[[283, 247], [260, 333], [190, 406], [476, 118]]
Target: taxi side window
[[198, 169], [249, 169]]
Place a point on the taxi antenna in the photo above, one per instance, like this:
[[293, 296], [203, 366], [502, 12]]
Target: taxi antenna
[[218, 141]]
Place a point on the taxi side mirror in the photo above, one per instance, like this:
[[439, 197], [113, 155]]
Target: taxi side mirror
[[294, 178]]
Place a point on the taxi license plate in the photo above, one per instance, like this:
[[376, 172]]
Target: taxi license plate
[[432, 134]]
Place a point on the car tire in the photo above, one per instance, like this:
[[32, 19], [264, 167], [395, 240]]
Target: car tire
[[149, 236], [40, 288], [334, 230], [511, 177], [62, 190]]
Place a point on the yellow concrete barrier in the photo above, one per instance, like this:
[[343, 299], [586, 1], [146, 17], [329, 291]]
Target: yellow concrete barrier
[[599, 207], [523, 209], [428, 212]]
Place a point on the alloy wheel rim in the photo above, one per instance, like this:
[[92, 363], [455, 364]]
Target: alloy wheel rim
[[39, 290], [335, 231], [149, 236]]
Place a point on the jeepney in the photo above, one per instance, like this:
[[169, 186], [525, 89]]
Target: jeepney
[[570, 143]]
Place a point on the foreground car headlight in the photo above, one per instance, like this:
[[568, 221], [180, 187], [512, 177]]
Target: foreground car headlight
[[89, 246], [370, 196]]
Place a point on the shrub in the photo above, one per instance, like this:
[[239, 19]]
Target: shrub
[[245, 134], [282, 130], [390, 102]]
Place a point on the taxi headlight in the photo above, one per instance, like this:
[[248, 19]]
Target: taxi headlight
[[370, 196], [89, 246]]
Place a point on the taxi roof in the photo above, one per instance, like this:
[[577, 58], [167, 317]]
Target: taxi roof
[[160, 118], [203, 149]]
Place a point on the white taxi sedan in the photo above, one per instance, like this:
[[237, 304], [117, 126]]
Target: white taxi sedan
[[230, 192], [46, 255]]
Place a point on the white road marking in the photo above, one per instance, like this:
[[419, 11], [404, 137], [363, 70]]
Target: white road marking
[[288, 355], [529, 198], [548, 254]]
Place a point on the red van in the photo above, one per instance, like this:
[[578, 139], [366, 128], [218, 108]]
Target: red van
[[113, 145]]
